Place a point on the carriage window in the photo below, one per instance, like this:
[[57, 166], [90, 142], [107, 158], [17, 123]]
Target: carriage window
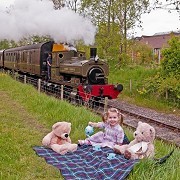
[[61, 56]]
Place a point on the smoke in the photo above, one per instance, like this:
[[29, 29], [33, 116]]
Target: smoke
[[36, 17]]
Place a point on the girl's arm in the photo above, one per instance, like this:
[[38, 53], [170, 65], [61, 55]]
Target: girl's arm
[[96, 125]]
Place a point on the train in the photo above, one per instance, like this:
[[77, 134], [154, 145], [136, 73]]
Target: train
[[84, 78]]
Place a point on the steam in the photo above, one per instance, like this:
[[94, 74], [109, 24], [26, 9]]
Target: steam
[[36, 17]]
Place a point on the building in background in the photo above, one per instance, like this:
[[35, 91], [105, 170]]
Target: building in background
[[157, 42]]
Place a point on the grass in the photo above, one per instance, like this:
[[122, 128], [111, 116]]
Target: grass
[[26, 116], [136, 75]]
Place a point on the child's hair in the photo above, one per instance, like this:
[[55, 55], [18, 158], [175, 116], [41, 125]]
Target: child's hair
[[112, 110]]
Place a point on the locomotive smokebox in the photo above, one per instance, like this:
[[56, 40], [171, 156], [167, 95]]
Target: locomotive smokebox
[[93, 52]]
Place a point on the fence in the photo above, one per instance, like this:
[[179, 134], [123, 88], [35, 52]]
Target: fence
[[62, 92]]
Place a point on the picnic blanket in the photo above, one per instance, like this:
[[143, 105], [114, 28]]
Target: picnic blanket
[[88, 163]]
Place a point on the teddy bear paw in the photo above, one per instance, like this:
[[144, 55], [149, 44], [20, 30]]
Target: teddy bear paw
[[73, 147], [63, 152]]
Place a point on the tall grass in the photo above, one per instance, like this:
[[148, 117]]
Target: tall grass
[[132, 78], [26, 116]]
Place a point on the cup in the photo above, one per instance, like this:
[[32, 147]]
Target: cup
[[111, 155]]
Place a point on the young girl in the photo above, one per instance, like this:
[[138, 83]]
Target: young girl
[[113, 133]]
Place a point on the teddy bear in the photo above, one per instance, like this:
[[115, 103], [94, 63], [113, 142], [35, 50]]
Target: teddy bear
[[142, 146], [58, 139]]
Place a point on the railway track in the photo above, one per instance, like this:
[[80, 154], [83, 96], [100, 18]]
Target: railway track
[[167, 126]]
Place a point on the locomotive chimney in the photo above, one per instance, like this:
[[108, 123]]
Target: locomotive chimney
[[93, 52]]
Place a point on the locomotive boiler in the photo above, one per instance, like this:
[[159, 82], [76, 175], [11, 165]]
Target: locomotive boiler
[[85, 78]]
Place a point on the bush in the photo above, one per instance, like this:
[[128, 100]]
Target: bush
[[171, 58]]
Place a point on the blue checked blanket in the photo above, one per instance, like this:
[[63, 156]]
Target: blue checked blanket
[[88, 164]]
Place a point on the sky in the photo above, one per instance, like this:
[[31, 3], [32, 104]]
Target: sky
[[159, 21], [155, 22]]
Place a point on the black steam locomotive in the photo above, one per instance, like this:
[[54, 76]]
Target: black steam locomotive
[[84, 78]]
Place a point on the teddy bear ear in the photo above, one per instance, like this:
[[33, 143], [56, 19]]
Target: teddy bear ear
[[56, 124]]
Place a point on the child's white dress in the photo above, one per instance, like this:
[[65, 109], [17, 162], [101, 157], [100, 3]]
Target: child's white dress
[[110, 136]]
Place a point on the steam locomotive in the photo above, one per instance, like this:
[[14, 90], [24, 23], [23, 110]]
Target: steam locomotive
[[84, 78]]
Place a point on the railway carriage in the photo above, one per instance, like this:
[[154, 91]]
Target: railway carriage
[[85, 78], [27, 59]]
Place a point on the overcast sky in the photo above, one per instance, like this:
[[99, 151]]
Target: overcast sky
[[155, 22], [159, 21]]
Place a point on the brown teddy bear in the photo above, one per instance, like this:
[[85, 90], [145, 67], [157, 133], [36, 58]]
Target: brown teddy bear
[[58, 139], [142, 145]]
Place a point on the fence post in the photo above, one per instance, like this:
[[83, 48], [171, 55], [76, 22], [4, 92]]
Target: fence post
[[130, 85], [62, 92], [166, 94], [25, 79], [105, 104], [15, 76], [39, 85]]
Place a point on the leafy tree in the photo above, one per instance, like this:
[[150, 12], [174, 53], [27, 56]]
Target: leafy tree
[[171, 58], [140, 53], [4, 44], [117, 17]]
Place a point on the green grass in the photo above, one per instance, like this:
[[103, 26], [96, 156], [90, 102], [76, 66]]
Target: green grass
[[137, 74], [26, 116]]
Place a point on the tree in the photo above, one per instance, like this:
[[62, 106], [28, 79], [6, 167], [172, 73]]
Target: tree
[[121, 13], [170, 5], [58, 4], [140, 53], [171, 58], [4, 44], [166, 83], [71, 4], [127, 14]]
